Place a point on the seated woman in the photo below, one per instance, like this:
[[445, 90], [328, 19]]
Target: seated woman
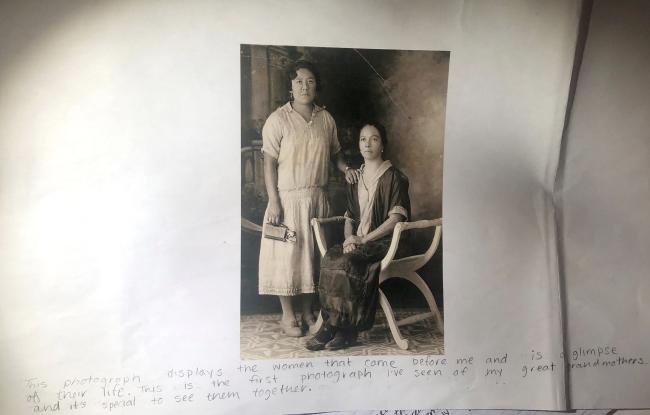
[[349, 274]]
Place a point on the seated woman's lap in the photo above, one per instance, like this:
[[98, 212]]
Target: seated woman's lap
[[355, 262], [349, 284]]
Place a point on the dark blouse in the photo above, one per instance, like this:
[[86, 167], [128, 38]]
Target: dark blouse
[[349, 283], [392, 190]]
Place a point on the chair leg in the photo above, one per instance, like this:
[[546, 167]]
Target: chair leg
[[402, 343], [426, 292]]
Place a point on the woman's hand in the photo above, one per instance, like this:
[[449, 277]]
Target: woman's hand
[[352, 176], [349, 248], [351, 243], [274, 212], [353, 239]]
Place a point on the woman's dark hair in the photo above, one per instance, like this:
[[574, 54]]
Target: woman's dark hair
[[380, 128], [292, 71]]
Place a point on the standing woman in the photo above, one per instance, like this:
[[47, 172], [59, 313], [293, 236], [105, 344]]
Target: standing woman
[[299, 141]]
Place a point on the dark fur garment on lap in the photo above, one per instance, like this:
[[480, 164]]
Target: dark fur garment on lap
[[349, 284]]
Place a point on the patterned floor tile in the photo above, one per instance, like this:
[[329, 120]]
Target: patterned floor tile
[[261, 339]]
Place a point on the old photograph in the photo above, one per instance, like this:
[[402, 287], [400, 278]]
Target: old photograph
[[341, 201]]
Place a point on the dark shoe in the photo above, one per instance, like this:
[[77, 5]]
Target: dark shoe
[[322, 338], [342, 340]]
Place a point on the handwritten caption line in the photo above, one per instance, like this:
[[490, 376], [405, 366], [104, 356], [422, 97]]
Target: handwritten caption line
[[263, 382]]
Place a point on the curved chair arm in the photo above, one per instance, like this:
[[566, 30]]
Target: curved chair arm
[[250, 226], [403, 226], [316, 223], [326, 221]]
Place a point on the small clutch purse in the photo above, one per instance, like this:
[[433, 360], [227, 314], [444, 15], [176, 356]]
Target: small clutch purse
[[279, 233]]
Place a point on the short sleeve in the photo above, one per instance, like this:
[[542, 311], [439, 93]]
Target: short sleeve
[[272, 136], [400, 211], [399, 201], [335, 146], [350, 211]]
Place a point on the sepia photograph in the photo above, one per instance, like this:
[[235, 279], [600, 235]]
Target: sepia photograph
[[341, 201]]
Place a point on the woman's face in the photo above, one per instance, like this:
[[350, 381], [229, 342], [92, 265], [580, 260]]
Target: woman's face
[[370, 143], [303, 87]]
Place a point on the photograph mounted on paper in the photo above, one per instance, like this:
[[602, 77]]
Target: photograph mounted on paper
[[341, 201]]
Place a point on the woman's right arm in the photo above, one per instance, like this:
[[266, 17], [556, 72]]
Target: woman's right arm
[[348, 229], [271, 182]]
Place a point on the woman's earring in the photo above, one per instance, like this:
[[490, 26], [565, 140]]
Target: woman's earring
[[291, 94]]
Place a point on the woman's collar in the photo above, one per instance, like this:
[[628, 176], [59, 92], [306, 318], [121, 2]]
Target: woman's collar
[[287, 107], [385, 165]]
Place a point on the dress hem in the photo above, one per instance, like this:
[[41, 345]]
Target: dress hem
[[286, 292]]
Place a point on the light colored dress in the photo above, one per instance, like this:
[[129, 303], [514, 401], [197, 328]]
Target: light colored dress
[[303, 150]]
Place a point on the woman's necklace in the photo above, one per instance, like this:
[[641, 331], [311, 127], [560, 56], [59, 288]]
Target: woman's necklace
[[363, 179], [367, 178], [369, 174]]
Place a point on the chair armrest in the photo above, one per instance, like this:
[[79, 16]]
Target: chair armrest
[[404, 226], [250, 226], [325, 221], [316, 224]]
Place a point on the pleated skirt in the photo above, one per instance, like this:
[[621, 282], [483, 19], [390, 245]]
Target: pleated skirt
[[288, 268]]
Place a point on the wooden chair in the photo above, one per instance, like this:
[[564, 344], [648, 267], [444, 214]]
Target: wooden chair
[[404, 268]]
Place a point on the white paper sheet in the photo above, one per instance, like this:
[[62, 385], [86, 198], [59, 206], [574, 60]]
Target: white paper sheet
[[605, 200], [471, 412], [119, 189]]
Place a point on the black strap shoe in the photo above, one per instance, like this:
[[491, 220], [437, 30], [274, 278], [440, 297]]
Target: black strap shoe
[[322, 338], [344, 338]]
